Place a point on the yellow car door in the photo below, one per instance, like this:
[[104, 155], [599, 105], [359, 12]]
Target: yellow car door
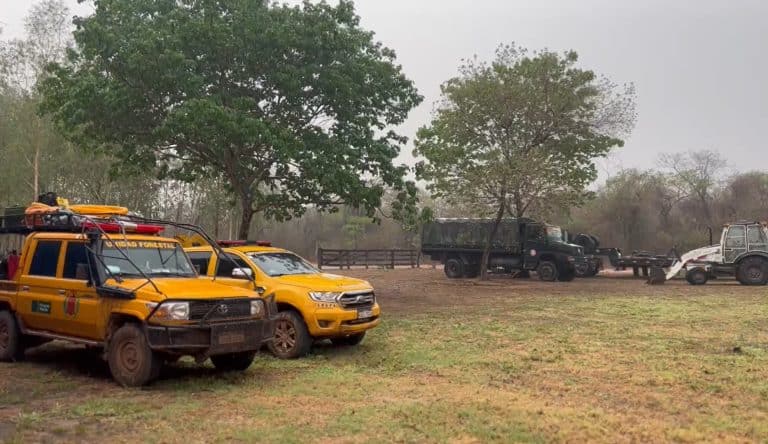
[[80, 306]]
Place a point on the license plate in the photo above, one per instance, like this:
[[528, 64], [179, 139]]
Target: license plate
[[362, 314], [231, 338]]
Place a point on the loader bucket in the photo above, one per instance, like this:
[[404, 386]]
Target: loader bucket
[[657, 276]]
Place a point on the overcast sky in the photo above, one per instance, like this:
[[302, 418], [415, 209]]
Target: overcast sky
[[699, 66]]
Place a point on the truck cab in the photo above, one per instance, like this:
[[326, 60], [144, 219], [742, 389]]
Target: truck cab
[[122, 288], [312, 305]]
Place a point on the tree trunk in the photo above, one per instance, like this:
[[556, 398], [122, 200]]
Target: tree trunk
[[36, 174], [489, 241], [245, 221]]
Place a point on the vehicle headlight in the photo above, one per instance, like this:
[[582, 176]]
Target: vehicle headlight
[[324, 296], [172, 311], [257, 308]]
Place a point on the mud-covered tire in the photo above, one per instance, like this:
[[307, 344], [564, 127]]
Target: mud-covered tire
[[566, 275], [349, 341], [234, 362], [454, 268], [753, 271], [697, 276], [547, 271], [292, 338], [131, 361], [583, 270], [11, 343]]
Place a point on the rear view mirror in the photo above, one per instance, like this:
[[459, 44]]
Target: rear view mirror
[[113, 270], [242, 273]]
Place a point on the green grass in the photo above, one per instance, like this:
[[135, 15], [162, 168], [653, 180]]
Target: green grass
[[533, 367]]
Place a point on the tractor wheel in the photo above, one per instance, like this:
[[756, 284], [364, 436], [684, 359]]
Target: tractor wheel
[[454, 268], [697, 276], [753, 271], [547, 271]]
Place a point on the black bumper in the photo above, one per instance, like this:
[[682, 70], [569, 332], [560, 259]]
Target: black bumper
[[212, 339]]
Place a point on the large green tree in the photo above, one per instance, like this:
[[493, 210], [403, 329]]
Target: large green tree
[[521, 134], [291, 106]]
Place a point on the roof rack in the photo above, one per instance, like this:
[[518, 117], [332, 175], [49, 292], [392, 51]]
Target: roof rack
[[237, 243], [67, 221]]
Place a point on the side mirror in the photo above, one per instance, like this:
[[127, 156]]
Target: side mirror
[[113, 270], [242, 273]]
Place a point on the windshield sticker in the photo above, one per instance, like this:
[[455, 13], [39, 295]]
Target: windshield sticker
[[41, 307], [143, 244]]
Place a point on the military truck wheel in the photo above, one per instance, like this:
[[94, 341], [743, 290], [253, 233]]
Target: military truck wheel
[[11, 346], [292, 338], [349, 340], [131, 361], [697, 276], [583, 270], [454, 268], [234, 362], [566, 275], [753, 271], [547, 271]]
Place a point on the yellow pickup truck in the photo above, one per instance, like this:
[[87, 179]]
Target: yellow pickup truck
[[120, 287], [312, 305]]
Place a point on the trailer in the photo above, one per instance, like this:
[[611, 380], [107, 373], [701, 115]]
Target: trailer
[[640, 262]]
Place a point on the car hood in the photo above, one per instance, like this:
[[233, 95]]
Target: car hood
[[324, 282], [181, 288]]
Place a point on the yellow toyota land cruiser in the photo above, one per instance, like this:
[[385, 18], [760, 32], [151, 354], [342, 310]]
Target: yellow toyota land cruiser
[[118, 286], [312, 305]]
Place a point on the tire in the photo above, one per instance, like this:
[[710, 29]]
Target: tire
[[697, 276], [566, 275], [753, 271], [454, 268], [547, 271], [11, 344], [583, 270], [292, 338], [131, 361], [234, 362], [350, 340]]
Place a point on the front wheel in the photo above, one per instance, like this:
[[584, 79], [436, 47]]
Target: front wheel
[[234, 362], [349, 340], [131, 361], [292, 338], [753, 271], [696, 276], [11, 347], [547, 271]]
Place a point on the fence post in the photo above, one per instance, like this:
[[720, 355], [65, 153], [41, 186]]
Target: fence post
[[349, 253], [366, 259], [392, 255], [319, 257]]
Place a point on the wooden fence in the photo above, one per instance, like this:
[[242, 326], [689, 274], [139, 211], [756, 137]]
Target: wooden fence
[[368, 258]]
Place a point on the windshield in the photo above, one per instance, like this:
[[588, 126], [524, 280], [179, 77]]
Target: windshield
[[554, 234], [151, 258], [280, 264]]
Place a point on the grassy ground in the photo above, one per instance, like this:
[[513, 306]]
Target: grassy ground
[[454, 361]]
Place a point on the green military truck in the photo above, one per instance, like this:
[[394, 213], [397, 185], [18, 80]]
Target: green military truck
[[520, 245]]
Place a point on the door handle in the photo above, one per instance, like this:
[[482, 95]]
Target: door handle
[[24, 288], [62, 292]]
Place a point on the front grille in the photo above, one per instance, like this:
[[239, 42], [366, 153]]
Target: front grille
[[361, 299], [219, 309]]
